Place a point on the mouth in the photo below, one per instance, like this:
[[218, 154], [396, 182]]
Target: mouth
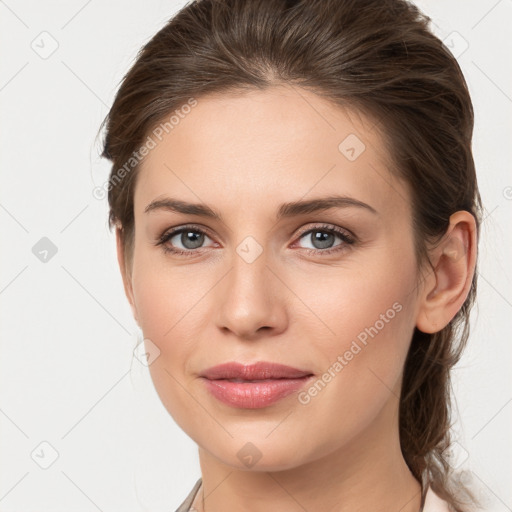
[[253, 386]]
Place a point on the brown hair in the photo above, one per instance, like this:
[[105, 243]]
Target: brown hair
[[376, 56]]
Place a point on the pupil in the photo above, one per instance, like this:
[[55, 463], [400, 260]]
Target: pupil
[[191, 239], [322, 238]]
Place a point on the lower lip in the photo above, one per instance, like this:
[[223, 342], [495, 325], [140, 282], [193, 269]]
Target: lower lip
[[254, 395]]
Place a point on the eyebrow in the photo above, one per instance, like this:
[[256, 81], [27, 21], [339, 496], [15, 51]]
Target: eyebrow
[[285, 210]]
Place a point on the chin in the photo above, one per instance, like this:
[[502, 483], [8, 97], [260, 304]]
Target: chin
[[256, 453]]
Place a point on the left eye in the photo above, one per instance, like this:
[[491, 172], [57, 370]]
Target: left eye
[[324, 238]]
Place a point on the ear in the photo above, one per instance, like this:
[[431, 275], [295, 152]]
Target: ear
[[125, 272], [454, 261]]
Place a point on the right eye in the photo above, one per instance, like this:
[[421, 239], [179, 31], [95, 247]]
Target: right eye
[[190, 237]]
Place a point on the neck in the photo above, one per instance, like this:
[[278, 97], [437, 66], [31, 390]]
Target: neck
[[369, 473]]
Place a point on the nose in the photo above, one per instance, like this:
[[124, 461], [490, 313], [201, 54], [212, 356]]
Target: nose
[[251, 300]]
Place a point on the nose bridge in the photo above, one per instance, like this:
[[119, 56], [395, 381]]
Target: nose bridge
[[249, 272], [248, 300]]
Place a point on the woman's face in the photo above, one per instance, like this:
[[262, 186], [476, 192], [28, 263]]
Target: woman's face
[[331, 292]]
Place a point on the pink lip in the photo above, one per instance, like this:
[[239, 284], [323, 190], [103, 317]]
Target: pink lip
[[272, 383]]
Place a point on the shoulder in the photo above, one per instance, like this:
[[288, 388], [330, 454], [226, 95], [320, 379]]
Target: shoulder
[[433, 503], [186, 505]]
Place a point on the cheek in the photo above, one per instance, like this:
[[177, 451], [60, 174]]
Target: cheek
[[365, 364], [170, 305], [165, 297], [367, 321], [164, 309], [374, 303]]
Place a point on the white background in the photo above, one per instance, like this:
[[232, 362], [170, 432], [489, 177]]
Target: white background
[[66, 369]]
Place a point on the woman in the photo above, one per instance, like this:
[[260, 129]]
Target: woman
[[297, 218]]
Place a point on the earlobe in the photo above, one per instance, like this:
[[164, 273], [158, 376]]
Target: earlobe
[[454, 266], [125, 272]]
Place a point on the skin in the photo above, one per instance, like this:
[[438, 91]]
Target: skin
[[244, 155]]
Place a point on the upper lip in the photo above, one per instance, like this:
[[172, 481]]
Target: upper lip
[[257, 371]]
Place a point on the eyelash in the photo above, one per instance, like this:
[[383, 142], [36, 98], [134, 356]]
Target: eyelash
[[346, 238]]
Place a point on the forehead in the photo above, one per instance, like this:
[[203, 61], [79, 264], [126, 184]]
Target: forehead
[[252, 149]]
